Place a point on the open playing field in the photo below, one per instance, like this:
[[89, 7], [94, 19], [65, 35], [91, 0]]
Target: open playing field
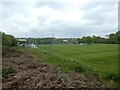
[[98, 57]]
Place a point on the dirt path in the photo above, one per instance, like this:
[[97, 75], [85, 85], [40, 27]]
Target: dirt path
[[31, 72]]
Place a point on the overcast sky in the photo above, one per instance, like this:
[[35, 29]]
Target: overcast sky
[[64, 18]]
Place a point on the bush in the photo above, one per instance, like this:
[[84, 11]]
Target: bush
[[9, 40], [10, 51], [4, 50], [6, 71], [79, 69], [113, 76]]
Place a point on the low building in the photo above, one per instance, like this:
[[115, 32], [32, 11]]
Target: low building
[[31, 45], [65, 41], [24, 43]]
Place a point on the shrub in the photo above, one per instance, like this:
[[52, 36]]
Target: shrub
[[6, 71], [45, 52], [4, 50], [9, 40], [10, 51], [113, 76], [79, 68]]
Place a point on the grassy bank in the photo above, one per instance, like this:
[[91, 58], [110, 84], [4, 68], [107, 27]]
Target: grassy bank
[[100, 60]]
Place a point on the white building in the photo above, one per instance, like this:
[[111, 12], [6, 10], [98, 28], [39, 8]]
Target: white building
[[23, 43], [33, 46], [65, 41]]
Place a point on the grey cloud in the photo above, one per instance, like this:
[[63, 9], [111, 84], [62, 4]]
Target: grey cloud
[[41, 20], [95, 16], [11, 8], [54, 5], [99, 13], [93, 5]]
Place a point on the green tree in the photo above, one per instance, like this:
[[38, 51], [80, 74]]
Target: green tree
[[112, 38], [87, 40], [78, 40], [117, 37], [8, 40]]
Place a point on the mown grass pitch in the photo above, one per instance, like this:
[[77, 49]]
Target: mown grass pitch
[[102, 58]]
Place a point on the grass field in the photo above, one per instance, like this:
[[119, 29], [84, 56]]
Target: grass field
[[102, 58]]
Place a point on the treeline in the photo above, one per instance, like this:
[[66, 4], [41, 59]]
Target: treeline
[[113, 38], [48, 40], [8, 40]]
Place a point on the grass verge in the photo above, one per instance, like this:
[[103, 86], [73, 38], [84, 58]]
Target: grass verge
[[66, 64]]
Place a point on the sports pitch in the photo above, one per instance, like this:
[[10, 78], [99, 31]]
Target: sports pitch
[[99, 57]]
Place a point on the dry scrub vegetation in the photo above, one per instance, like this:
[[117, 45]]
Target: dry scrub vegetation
[[24, 70]]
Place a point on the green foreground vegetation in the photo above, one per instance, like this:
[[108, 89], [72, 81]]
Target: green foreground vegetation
[[92, 58], [98, 59]]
